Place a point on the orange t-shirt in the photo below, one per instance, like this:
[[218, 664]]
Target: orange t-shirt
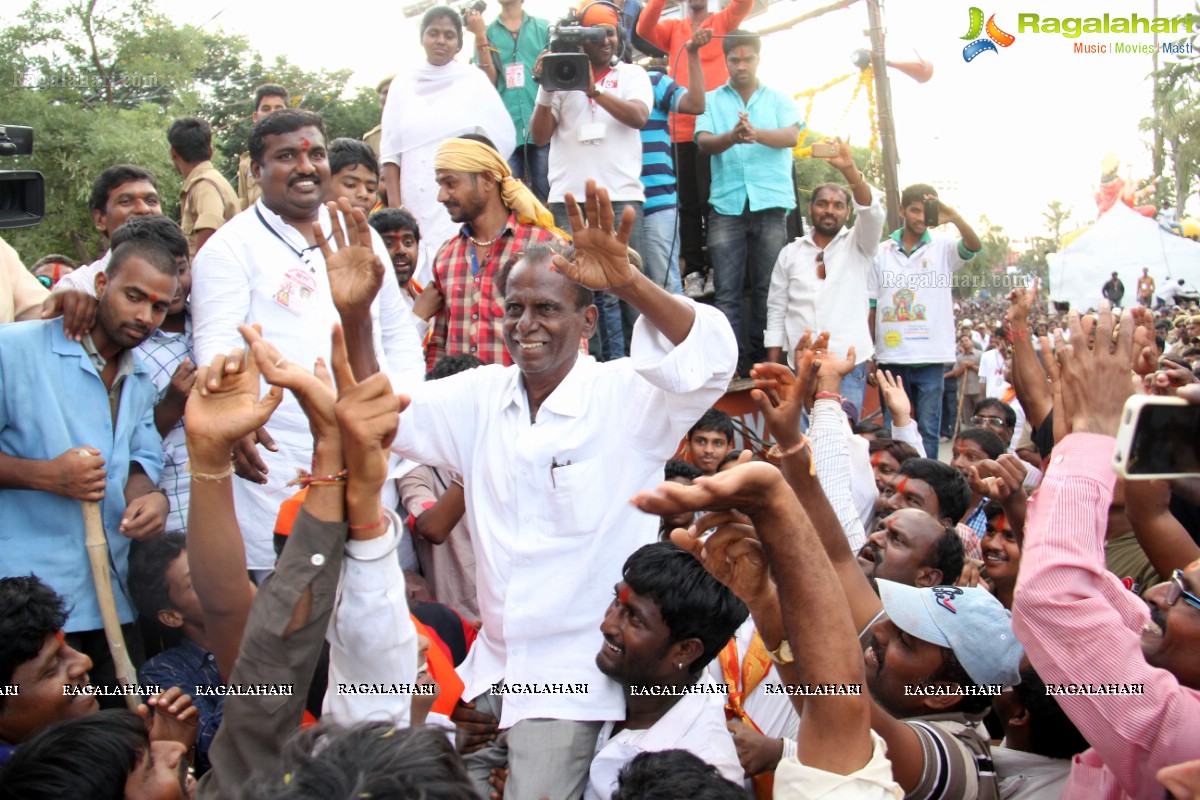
[[672, 34]]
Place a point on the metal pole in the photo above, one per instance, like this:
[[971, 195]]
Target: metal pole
[[887, 129]]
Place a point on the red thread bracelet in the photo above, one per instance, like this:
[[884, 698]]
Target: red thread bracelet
[[373, 525]]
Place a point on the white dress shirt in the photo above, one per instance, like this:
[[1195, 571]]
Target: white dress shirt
[[799, 299], [372, 639], [696, 724], [550, 500], [249, 272]]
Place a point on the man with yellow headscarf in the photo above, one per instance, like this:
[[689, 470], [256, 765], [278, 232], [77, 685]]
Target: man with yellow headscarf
[[500, 218]]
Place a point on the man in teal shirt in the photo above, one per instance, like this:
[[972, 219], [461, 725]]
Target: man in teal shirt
[[749, 130], [514, 42]]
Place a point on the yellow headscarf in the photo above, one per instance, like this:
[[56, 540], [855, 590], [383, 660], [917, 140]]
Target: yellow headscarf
[[468, 155]]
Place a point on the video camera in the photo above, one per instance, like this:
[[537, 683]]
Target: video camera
[[22, 191], [565, 68]]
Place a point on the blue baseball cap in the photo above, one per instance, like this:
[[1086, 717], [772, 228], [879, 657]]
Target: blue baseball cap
[[971, 622]]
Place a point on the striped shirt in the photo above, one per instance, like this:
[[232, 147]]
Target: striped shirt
[[162, 353], [1080, 625], [658, 162]]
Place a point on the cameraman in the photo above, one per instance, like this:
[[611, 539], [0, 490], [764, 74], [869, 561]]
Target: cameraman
[[595, 134], [515, 40]]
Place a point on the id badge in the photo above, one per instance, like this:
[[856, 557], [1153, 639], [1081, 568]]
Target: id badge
[[592, 132], [296, 291], [514, 76]]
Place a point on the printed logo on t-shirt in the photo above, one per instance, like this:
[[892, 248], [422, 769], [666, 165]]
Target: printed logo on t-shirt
[[905, 311]]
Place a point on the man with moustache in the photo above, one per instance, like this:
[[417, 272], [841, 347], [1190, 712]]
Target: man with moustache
[[669, 618], [553, 526], [77, 424], [820, 280], [266, 266], [500, 219]]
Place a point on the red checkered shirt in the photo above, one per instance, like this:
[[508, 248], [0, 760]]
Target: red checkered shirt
[[472, 317]]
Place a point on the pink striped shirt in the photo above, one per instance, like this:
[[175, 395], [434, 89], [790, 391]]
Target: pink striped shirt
[[1080, 625]]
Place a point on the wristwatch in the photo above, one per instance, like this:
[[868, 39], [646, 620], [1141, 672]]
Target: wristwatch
[[782, 654]]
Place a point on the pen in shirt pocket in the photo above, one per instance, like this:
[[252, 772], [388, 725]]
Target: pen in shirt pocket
[[555, 465]]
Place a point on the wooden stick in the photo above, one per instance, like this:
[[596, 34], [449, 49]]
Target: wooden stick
[[97, 549]]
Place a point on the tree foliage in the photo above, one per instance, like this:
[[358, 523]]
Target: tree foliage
[[1176, 124], [989, 261], [100, 81]]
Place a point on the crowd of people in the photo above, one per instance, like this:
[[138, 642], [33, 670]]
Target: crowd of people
[[400, 469]]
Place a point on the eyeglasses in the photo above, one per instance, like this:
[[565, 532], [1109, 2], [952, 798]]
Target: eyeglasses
[[1176, 590], [991, 422], [821, 264]]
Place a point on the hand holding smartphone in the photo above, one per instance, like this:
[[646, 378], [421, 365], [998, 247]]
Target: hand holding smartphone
[[931, 212], [825, 149], [1159, 439]]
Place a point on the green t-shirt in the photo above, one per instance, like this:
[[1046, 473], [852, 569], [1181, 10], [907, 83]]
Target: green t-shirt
[[514, 57]]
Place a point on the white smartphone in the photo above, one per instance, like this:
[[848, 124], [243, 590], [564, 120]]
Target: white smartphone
[[1159, 438]]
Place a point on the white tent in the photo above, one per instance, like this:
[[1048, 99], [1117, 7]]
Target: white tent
[[1125, 242]]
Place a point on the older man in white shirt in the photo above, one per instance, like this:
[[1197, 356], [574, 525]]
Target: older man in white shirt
[[266, 266], [820, 279], [550, 451]]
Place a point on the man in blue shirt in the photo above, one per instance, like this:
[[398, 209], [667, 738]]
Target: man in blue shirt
[[660, 240], [750, 131], [77, 423]]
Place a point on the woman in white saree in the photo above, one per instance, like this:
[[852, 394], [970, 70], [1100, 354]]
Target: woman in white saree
[[440, 99]]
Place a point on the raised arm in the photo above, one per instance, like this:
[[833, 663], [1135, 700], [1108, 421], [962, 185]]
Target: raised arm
[[602, 263], [692, 101], [372, 637], [224, 406], [1029, 379], [780, 398], [287, 624]]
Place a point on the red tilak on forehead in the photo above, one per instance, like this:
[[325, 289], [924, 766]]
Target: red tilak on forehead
[[900, 486], [305, 144], [623, 595], [875, 459], [153, 298]]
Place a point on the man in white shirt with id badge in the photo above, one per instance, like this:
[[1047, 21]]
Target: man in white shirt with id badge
[[265, 266]]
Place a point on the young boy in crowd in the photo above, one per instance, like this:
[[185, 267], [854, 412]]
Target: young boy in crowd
[[354, 173], [709, 440], [37, 662], [161, 585], [683, 473], [402, 237]]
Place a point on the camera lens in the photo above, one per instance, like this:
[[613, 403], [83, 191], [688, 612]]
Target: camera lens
[[565, 73]]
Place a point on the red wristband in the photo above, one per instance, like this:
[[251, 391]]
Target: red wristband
[[827, 396]]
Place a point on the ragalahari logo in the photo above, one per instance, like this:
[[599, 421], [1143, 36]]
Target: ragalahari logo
[[995, 36]]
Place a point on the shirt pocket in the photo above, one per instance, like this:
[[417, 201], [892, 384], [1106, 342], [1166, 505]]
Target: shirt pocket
[[574, 508]]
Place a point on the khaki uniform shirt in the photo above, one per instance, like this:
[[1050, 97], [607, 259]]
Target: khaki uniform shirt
[[373, 138], [206, 202], [248, 190]]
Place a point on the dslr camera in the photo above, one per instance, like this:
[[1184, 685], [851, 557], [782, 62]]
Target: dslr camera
[[22, 191], [565, 67]]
